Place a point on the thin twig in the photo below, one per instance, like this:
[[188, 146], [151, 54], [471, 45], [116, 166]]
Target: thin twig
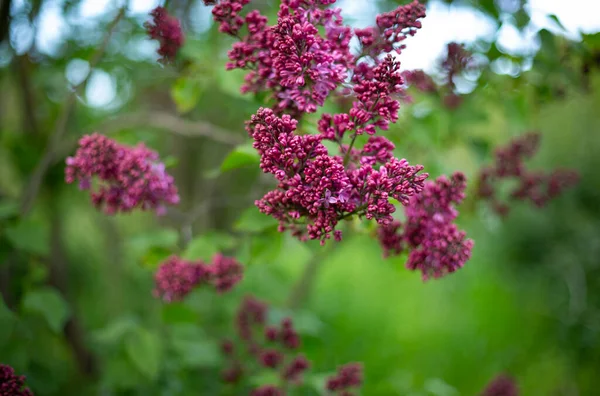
[[33, 187], [172, 123]]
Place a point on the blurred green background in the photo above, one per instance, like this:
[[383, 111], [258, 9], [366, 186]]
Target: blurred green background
[[77, 315]]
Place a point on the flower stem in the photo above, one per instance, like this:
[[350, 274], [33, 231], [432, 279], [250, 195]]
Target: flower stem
[[347, 156]]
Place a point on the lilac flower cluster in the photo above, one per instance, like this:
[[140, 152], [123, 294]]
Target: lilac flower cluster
[[176, 277], [316, 190], [12, 384], [534, 186], [262, 346], [167, 30], [456, 61], [268, 347], [391, 29], [291, 59], [502, 385], [437, 246], [348, 376], [128, 177]]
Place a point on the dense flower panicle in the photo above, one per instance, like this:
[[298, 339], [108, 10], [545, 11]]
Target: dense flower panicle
[[502, 385], [348, 376], [225, 272], [129, 177], [12, 384], [534, 186], [167, 30], [176, 277], [436, 245], [392, 29]]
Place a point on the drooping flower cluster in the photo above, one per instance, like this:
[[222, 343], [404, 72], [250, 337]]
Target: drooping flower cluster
[[262, 346], [348, 376], [502, 385], [437, 246], [316, 190], [391, 29], [166, 29], [456, 61], [268, 347], [128, 177], [176, 277], [12, 384], [535, 186]]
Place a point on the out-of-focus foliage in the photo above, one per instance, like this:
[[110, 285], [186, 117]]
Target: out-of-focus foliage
[[77, 315]]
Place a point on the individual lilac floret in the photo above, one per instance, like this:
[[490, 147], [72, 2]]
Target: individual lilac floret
[[348, 376], [391, 239], [128, 177], [167, 30], [12, 384], [267, 390]]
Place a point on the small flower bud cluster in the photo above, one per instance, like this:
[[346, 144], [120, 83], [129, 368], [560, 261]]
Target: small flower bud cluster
[[12, 384], [348, 376], [128, 177], [176, 277], [167, 30], [269, 347], [502, 385], [534, 186], [436, 245]]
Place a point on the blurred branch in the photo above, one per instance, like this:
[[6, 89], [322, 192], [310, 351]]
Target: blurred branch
[[58, 278], [22, 66], [32, 188], [172, 123]]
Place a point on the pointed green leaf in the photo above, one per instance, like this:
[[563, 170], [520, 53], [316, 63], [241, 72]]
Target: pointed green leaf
[[48, 303]]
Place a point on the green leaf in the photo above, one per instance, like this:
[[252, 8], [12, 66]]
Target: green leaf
[[8, 209], [144, 349], [154, 256], [178, 312], [186, 93], [50, 304], [265, 378], [204, 247], [193, 348], [30, 236], [557, 21], [163, 238], [254, 221], [242, 155], [116, 331], [170, 161]]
